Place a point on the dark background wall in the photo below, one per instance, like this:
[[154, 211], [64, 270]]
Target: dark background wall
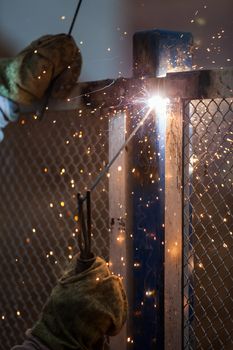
[[104, 29]]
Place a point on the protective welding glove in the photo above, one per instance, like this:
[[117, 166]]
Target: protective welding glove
[[88, 303], [50, 61], [26, 77]]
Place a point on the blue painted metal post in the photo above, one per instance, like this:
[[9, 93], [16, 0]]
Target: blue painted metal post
[[156, 52]]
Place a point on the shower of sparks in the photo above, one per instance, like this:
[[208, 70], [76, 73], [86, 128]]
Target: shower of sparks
[[200, 161]]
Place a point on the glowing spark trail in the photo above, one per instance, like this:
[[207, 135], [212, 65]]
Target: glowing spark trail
[[108, 166]]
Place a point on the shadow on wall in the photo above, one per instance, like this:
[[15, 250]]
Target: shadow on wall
[[6, 46]]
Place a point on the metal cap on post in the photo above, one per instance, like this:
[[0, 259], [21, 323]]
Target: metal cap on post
[[155, 53], [158, 52]]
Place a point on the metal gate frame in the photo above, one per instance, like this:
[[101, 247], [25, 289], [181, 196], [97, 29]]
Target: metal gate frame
[[113, 97], [178, 87]]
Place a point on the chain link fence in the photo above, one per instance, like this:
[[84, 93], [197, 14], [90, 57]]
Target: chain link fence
[[208, 225], [43, 166]]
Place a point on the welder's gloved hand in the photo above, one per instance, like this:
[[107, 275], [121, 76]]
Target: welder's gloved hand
[[9, 112], [87, 303], [26, 77], [50, 65]]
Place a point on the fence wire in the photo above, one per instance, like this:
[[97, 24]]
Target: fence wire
[[208, 225], [43, 165]]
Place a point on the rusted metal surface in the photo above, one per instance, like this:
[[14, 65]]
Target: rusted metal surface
[[157, 52], [173, 227], [118, 94], [123, 93], [117, 212]]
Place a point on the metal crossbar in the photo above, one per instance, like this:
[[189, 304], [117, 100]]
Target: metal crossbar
[[208, 224]]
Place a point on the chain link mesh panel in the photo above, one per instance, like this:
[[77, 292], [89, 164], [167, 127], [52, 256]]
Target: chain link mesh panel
[[43, 165], [208, 239]]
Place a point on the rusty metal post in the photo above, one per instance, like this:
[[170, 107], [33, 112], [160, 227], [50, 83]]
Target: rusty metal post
[[118, 252], [157, 52], [173, 304]]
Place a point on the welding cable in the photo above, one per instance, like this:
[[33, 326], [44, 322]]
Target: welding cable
[[50, 88], [84, 224], [75, 17]]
